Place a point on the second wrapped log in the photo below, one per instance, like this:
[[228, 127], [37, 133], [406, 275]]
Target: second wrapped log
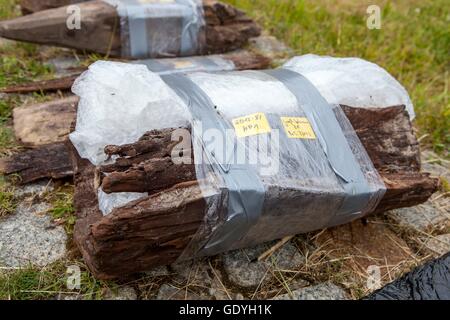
[[226, 29]]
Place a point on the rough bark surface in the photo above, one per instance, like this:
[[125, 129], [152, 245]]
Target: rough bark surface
[[156, 230], [49, 161]]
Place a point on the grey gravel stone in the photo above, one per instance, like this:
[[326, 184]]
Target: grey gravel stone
[[439, 244], [28, 236], [424, 217], [63, 66], [199, 274], [432, 164], [34, 189], [5, 42], [323, 291], [158, 272], [122, 293], [64, 296], [194, 272], [169, 292], [436, 170], [245, 271]]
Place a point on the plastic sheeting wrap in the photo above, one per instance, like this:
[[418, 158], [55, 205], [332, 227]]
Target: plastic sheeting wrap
[[428, 282], [160, 28], [352, 82], [272, 156]]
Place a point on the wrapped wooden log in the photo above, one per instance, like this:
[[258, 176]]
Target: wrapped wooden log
[[157, 229], [242, 60], [227, 28]]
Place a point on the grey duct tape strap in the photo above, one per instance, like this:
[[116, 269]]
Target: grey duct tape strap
[[245, 191], [160, 28], [333, 142]]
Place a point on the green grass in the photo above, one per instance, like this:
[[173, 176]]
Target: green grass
[[18, 61], [18, 64], [8, 9], [413, 45], [7, 200], [31, 283], [62, 207]]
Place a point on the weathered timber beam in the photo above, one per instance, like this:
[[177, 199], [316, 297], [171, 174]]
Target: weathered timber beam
[[49, 161], [130, 240]]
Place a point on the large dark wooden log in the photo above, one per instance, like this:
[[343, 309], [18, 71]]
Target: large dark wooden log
[[227, 28], [242, 59], [156, 230]]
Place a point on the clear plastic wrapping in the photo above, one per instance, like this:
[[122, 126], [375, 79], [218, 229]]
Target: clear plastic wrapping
[[296, 172], [352, 82], [272, 157], [160, 28]]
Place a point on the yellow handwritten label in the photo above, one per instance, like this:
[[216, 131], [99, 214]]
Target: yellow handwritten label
[[183, 64], [298, 128], [251, 125]]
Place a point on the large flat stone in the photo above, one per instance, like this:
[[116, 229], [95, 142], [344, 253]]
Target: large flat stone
[[28, 236], [323, 291], [243, 269], [425, 217]]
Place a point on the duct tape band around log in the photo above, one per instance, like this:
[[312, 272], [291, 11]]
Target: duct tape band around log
[[160, 28], [319, 112], [243, 187]]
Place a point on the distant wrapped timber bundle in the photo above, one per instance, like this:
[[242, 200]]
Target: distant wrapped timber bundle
[[238, 60], [122, 28], [146, 196]]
